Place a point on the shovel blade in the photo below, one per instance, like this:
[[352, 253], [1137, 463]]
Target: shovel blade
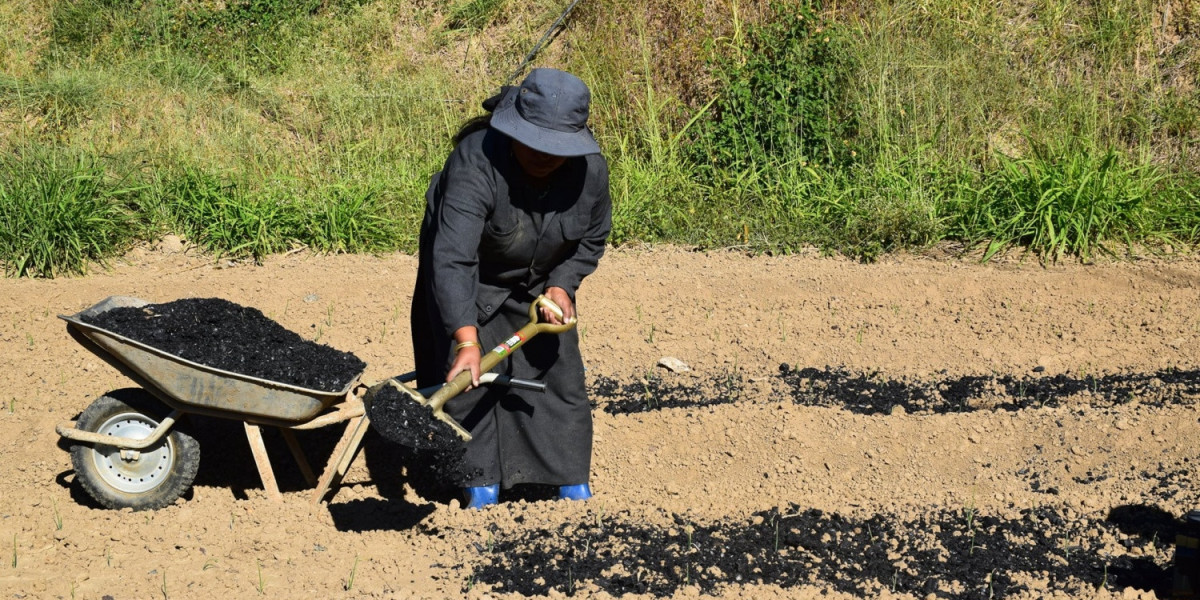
[[402, 415]]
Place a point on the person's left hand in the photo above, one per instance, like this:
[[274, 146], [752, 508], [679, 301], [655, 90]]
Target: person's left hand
[[560, 297]]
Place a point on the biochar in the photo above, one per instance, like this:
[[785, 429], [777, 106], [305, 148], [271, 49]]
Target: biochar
[[400, 419], [224, 335]]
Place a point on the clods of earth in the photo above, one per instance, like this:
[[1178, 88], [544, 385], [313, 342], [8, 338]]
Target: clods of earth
[[916, 428]]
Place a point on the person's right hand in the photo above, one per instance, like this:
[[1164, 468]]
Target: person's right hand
[[467, 359]]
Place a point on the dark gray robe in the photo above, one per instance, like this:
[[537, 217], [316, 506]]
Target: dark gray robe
[[493, 239]]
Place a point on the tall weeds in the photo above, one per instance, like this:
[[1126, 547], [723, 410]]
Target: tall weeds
[[258, 126], [58, 212], [1058, 202]]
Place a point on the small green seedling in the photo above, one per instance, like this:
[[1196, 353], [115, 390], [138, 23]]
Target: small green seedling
[[58, 521], [14, 560], [262, 582], [166, 596], [350, 580]]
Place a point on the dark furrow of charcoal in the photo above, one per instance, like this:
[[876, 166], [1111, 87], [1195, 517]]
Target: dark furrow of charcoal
[[221, 334], [400, 419], [871, 394], [652, 393], [868, 393], [958, 553]]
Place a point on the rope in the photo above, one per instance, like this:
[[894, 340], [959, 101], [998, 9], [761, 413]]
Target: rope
[[538, 47]]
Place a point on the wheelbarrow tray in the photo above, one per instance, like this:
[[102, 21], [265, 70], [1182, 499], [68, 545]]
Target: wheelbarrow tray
[[192, 387]]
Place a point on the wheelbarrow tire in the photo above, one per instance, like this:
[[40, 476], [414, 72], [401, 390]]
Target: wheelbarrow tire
[[156, 476]]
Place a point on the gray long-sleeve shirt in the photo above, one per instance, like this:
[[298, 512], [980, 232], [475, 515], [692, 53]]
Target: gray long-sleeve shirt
[[491, 231]]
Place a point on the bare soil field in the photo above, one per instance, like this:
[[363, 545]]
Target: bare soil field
[[916, 428]]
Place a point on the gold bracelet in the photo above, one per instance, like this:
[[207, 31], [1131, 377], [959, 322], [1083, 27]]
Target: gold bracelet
[[466, 344]]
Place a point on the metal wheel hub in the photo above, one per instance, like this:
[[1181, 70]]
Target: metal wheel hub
[[133, 471]]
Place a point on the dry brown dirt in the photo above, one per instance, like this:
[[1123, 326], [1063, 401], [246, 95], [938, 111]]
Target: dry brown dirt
[[724, 314]]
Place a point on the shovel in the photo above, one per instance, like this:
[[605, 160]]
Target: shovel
[[438, 399]]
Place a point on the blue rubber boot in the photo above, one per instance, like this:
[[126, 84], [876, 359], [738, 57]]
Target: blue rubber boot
[[483, 495], [581, 491]]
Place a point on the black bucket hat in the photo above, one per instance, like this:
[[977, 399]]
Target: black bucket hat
[[548, 112]]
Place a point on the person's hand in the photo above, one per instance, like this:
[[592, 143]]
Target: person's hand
[[467, 359], [467, 355], [560, 297]]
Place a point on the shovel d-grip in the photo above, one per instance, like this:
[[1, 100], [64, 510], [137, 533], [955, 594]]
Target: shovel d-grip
[[454, 387]]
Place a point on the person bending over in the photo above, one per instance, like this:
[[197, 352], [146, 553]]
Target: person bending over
[[520, 208]]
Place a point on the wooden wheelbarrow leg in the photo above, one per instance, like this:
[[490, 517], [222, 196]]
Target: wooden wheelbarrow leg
[[254, 436], [343, 455]]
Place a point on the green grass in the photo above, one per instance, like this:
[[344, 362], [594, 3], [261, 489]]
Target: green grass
[[1070, 202], [58, 213], [266, 126]]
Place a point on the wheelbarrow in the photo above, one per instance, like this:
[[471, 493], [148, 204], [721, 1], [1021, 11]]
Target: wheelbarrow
[[127, 452]]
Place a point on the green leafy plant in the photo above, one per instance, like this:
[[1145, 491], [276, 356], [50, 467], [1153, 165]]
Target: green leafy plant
[[225, 219], [785, 95], [349, 220]]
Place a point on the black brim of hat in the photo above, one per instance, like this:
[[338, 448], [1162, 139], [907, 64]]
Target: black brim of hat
[[508, 121]]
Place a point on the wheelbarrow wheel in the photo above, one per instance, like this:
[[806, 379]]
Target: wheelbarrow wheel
[[147, 479]]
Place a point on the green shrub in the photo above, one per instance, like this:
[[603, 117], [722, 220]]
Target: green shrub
[[349, 220], [59, 212], [1058, 202], [783, 95], [225, 219]]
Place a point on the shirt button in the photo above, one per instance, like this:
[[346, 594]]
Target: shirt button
[[487, 308]]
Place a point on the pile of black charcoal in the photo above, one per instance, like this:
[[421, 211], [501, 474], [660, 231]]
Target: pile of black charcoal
[[947, 553], [223, 335], [403, 420]]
